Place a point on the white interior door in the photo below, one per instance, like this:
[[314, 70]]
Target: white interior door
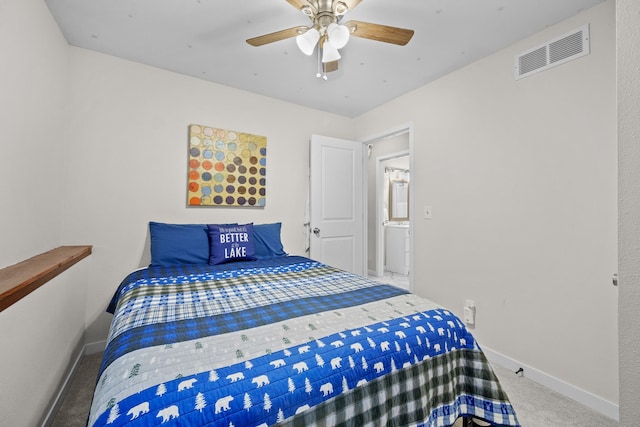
[[336, 203]]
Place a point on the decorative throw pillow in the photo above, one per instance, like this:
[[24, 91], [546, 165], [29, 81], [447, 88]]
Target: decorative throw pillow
[[266, 239], [228, 243]]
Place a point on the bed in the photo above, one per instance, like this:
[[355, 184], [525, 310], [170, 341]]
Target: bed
[[272, 338]]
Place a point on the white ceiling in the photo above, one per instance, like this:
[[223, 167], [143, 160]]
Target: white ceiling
[[206, 39]]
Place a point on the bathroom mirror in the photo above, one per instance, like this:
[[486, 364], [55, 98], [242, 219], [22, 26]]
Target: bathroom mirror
[[398, 200]]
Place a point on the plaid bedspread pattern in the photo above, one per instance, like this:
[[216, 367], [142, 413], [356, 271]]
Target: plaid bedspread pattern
[[358, 352], [456, 383], [162, 310]]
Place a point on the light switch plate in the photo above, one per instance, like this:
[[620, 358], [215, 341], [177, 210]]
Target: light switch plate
[[469, 316], [469, 312]]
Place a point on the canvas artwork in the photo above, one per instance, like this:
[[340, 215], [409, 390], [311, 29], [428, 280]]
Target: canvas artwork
[[226, 168]]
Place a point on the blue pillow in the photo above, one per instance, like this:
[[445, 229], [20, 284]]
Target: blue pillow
[[266, 240], [176, 244], [229, 243]]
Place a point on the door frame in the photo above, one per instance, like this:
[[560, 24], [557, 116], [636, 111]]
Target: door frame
[[372, 139]]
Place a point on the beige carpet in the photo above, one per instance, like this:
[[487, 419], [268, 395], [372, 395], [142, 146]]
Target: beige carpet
[[535, 405], [77, 401]]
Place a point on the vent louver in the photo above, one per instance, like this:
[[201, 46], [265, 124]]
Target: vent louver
[[532, 61], [555, 52]]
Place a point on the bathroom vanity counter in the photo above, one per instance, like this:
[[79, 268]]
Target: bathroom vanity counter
[[397, 248]]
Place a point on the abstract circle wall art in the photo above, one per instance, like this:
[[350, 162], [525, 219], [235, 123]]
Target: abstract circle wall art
[[226, 168]]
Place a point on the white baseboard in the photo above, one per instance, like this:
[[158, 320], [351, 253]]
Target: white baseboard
[[95, 347], [590, 400], [91, 348], [57, 400]]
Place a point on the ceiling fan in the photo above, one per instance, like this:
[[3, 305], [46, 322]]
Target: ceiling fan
[[329, 34]]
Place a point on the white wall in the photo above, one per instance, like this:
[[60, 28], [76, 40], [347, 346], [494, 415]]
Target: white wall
[[628, 44], [42, 337], [34, 71], [42, 333], [522, 179], [127, 162]]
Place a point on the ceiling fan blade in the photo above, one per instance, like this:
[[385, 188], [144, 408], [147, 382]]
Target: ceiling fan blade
[[330, 66], [381, 33], [352, 3], [277, 36]]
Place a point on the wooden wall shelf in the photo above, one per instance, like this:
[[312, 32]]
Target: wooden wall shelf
[[19, 280]]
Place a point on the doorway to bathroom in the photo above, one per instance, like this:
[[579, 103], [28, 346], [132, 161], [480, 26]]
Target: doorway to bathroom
[[389, 207]]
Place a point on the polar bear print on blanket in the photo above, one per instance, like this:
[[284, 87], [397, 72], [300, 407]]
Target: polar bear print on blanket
[[326, 389], [304, 349], [356, 347], [277, 363], [223, 404], [260, 381], [379, 367], [138, 410], [237, 376], [335, 362], [186, 384], [300, 367], [168, 413]]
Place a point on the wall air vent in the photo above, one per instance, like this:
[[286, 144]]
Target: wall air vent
[[555, 52]]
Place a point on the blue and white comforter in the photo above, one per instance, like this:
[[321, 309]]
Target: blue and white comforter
[[286, 341]]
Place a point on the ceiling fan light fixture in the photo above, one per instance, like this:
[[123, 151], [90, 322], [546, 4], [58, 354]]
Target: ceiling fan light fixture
[[340, 8], [338, 35], [308, 40], [307, 10], [329, 53]]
